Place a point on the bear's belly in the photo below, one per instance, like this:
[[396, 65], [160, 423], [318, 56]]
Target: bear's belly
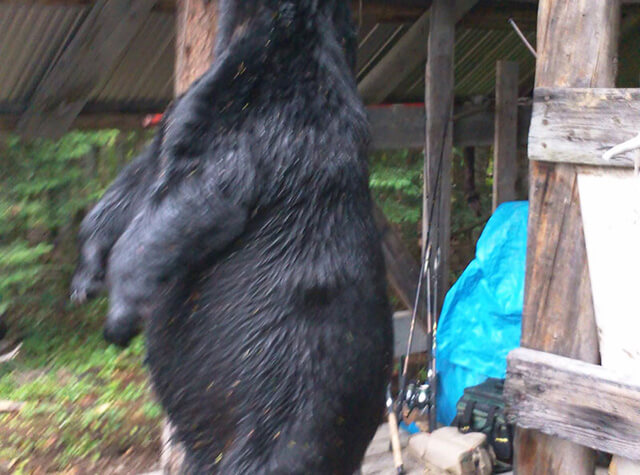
[[255, 338]]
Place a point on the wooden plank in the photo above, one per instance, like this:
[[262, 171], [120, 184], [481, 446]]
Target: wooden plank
[[578, 125], [505, 148], [403, 126], [581, 402], [558, 314], [397, 126], [378, 459], [381, 8], [439, 141], [83, 66], [171, 4], [403, 58]]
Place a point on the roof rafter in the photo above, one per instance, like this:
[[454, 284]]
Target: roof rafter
[[403, 58]]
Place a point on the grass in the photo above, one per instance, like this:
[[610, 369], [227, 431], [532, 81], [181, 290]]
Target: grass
[[88, 406]]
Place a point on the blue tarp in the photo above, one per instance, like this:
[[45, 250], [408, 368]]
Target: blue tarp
[[481, 317]]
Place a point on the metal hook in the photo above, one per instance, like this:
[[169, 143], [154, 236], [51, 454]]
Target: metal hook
[[629, 145]]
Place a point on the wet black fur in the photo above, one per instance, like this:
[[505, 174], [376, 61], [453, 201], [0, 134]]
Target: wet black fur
[[244, 237]]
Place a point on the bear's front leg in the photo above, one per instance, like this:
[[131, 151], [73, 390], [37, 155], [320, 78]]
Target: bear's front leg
[[166, 240], [107, 221]]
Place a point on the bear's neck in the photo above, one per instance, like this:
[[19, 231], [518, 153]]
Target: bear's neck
[[306, 21]]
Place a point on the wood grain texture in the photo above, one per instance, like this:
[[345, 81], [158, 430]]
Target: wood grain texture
[[83, 65], [558, 313], [505, 147], [579, 125], [439, 139], [577, 43], [196, 27], [582, 402]]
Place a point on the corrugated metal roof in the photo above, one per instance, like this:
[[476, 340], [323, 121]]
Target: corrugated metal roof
[[33, 36], [144, 75]]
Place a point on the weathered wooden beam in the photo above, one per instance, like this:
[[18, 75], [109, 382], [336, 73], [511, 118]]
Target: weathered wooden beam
[[91, 121], [585, 403], [558, 314], [439, 95], [404, 57], [505, 147], [393, 127], [84, 64], [397, 126], [578, 125], [403, 126]]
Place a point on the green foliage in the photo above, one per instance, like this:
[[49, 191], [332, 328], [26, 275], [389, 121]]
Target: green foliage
[[83, 398], [396, 184], [44, 188]]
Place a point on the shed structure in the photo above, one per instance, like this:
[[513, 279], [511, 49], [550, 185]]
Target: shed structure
[[111, 63], [433, 73]]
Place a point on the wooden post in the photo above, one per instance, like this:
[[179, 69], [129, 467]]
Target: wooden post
[[505, 151], [196, 27], [558, 314], [439, 135]]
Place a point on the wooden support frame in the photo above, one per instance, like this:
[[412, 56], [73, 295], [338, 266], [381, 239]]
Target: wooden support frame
[[439, 96], [505, 148], [558, 315], [584, 403], [84, 64], [578, 125]]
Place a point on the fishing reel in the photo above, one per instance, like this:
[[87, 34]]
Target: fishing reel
[[417, 401]]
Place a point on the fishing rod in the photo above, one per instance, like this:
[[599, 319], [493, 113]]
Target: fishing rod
[[431, 302]]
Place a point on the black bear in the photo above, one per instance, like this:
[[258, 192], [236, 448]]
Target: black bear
[[243, 239]]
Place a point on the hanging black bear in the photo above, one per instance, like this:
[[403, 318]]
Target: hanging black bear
[[243, 238]]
